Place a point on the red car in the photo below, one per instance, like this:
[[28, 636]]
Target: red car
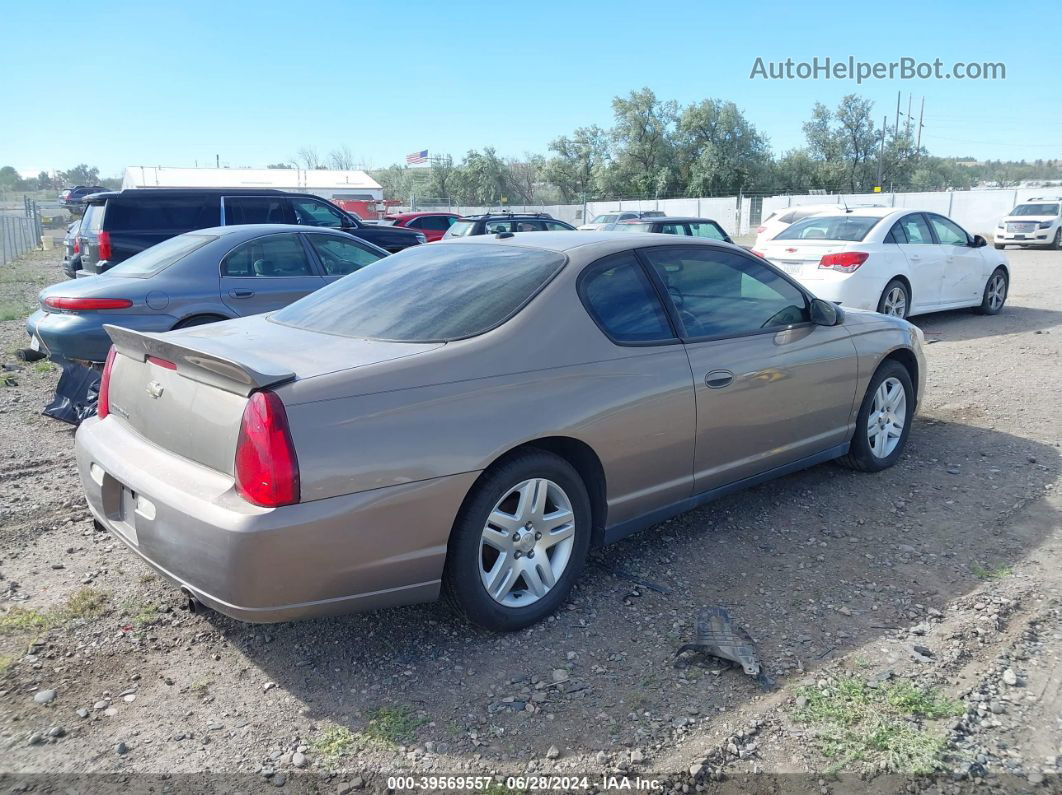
[[432, 225]]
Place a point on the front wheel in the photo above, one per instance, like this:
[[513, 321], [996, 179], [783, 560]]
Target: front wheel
[[1057, 243], [995, 294], [895, 299], [999, 246], [884, 420], [519, 542]]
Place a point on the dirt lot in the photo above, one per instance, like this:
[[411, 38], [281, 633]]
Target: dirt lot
[[910, 618]]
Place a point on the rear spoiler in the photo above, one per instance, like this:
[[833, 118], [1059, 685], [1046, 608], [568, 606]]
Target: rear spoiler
[[211, 362]]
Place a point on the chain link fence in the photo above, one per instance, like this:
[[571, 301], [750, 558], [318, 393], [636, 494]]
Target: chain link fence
[[21, 230]]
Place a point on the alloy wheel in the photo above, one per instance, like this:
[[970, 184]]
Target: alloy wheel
[[895, 303], [997, 291], [527, 542], [888, 414]]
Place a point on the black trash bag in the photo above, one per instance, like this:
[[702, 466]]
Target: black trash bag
[[76, 393]]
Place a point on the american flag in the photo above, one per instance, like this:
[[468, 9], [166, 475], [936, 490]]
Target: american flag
[[417, 157]]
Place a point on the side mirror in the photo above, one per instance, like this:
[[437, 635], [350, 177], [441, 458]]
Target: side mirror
[[978, 242], [824, 313]]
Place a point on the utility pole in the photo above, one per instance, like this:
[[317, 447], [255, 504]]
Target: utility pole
[[921, 113], [896, 128], [881, 152], [907, 122], [217, 161]]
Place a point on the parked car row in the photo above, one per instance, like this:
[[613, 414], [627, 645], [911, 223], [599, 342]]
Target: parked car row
[[468, 418]]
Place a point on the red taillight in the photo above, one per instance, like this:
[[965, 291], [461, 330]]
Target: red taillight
[[166, 363], [104, 245], [77, 245], [846, 261], [760, 230], [58, 302], [759, 254], [267, 471], [103, 405]]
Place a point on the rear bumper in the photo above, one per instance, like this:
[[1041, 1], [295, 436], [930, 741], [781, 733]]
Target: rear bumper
[[80, 336], [845, 289], [362, 551]]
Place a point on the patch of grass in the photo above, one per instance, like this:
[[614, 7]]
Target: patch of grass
[[44, 366], [982, 572], [201, 687], [87, 603], [878, 728], [6, 662], [141, 613], [393, 725], [334, 742], [13, 311]]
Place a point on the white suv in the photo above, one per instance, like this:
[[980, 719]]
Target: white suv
[[1036, 222]]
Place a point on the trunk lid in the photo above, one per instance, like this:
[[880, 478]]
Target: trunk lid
[[186, 390], [800, 258]]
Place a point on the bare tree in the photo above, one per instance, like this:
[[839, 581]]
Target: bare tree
[[308, 157], [341, 159]]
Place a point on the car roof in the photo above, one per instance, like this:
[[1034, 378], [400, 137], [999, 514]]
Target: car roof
[[658, 219], [145, 193], [874, 212], [422, 214], [596, 243], [253, 230]]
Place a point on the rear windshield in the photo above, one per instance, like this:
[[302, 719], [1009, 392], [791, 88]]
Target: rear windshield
[[427, 293], [159, 257], [830, 227], [627, 226], [1036, 209], [460, 229], [604, 219]]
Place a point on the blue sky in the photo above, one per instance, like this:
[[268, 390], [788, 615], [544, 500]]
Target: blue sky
[[175, 83]]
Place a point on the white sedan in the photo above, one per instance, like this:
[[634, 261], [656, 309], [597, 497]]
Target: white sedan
[[898, 262]]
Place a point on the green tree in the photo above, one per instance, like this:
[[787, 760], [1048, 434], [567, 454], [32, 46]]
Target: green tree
[[81, 174], [845, 143], [578, 162], [643, 137], [720, 150], [280, 166], [10, 179]]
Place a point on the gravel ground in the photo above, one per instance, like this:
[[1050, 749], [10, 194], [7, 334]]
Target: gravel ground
[[941, 573]]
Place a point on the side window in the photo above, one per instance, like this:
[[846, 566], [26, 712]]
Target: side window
[[256, 210], [272, 256], [948, 232], [437, 222], [619, 296], [316, 213], [674, 229], [556, 226], [528, 226], [167, 215], [896, 234], [341, 256], [707, 229], [916, 230], [720, 293], [494, 227]]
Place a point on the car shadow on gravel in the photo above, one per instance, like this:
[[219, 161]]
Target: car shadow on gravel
[[813, 565], [961, 324]]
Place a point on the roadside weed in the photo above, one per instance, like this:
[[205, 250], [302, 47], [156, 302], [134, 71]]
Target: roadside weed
[[333, 742], [393, 725], [981, 572]]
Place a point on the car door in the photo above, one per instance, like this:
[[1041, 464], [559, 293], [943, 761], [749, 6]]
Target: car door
[[925, 260], [340, 255], [268, 273], [432, 226], [964, 266], [772, 388]]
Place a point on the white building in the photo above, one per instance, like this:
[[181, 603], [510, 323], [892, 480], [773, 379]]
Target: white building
[[335, 185]]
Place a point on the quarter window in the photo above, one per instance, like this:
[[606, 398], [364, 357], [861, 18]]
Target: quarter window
[[948, 232], [256, 210], [273, 256], [707, 230], [719, 293], [315, 213], [437, 222], [622, 300], [674, 229]]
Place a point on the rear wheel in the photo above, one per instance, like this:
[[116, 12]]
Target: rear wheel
[[895, 299], [519, 542], [884, 420], [995, 294], [1057, 243], [198, 320]]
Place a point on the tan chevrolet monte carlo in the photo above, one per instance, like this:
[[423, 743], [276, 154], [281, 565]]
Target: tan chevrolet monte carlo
[[472, 416]]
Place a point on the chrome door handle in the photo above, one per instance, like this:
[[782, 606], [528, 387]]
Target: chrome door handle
[[717, 379], [241, 293]]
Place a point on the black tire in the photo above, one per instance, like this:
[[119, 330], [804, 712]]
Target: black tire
[[860, 455], [895, 284], [463, 586], [199, 320], [987, 306], [1000, 246], [1056, 244]]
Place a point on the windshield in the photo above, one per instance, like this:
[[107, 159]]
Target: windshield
[[159, 257], [604, 219], [1035, 209], [830, 227], [427, 293], [627, 226], [460, 229]]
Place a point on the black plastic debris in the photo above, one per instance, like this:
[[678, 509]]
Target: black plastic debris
[[29, 355], [716, 635], [76, 393]]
